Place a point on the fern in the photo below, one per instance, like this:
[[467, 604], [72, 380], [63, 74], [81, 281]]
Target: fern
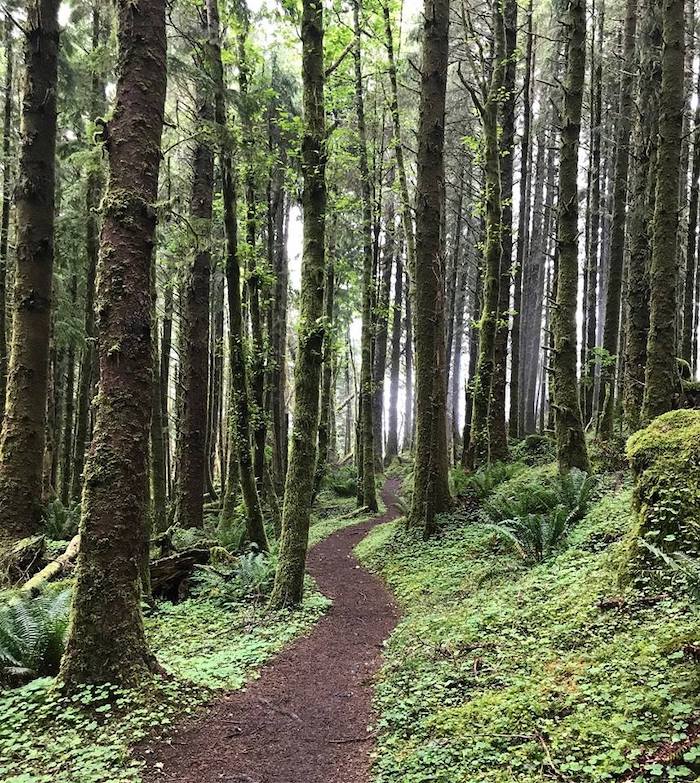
[[32, 633], [249, 577], [539, 518]]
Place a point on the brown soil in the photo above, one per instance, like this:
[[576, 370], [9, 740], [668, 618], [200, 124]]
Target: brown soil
[[306, 720]]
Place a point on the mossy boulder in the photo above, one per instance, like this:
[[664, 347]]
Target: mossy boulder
[[665, 460]]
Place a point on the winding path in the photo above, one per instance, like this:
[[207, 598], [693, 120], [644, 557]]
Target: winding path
[[305, 720]]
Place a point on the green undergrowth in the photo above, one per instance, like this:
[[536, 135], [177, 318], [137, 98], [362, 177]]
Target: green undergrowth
[[205, 646], [504, 671]]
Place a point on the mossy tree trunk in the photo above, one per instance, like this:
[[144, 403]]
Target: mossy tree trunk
[[497, 410], [327, 372], [571, 443], [86, 380], [514, 418], [369, 491], [408, 423], [106, 641], [613, 305], [240, 447], [431, 493], [482, 387], [8, 31], [392, 436], [23, 433], [686, 351], [289, 580], [194, 343], [381, 331], [642, 195], [662, 381]]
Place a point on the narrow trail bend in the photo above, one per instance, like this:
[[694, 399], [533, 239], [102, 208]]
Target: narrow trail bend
[[305, 720]]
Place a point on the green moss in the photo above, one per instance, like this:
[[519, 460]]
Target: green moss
[[665, 460], [500, 673]]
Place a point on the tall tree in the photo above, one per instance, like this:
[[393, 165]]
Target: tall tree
[[613, 305], [392, 437], [369, 492], [662, 379], [22, 439], [240, 455], [488, 105], [8, 30], [498, 440], [289, 579], [194, 323], [431, 494], [106, 641], [571, 443]]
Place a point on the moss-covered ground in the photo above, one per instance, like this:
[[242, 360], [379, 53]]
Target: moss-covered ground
[[506, 672], [205, 648]]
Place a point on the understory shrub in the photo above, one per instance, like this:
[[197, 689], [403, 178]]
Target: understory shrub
[[534, 450], [61, 522], [481, 483], [342, 481], [32, 634], [249, 577], [537, 517]]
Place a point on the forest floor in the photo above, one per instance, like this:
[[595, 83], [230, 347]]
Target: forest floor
[[307, 718]]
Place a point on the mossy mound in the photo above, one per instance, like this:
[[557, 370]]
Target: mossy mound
[[665, 460]]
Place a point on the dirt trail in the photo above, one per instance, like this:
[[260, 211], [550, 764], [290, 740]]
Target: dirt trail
[[305, 720]]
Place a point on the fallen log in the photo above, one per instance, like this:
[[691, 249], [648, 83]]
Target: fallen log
[[21, 560], [169, 574], [61, 565]]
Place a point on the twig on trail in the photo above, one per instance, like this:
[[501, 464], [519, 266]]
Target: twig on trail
[[352, 739]]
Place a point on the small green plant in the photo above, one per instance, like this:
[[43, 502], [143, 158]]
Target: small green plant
[[61, 522], [539, 517], [341, 481], [480, 484], [248, 578], [32, 633]]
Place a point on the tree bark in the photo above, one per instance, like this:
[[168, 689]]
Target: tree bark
[[6, 202], [93, 190], [106, 641], [239, 410], [289, 579], [194, 323], [408, 424], [431, 494], [613, 305], [392, 437], [497, 410], [480, 446], [369, 491], [662, 380], [22, 439], [571, 443], [514, 418]]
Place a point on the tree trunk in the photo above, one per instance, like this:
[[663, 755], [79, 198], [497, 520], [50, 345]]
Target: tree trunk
[[479, 446], [497, 411], [514, 419], [592, 260], [68, 414], [613, 305], [431, 494], [327, 373], [392, 437], [408, 358], [93, 191], [239, 411], [22, 440], [6, 203], [106, 641], [194, 325], [381, 335], [289, 579], [571, 443], [369, 491], [662, 380]]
